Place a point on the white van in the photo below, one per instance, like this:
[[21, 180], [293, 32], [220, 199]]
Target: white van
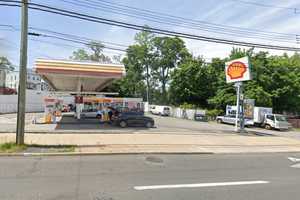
[[160, 110]]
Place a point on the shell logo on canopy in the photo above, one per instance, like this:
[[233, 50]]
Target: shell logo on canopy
[[237, 70]]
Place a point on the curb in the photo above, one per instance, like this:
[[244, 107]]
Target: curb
[[127, 153], [96, 153]]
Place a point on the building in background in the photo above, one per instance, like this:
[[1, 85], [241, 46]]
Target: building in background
[[2, 76], [34, 81]]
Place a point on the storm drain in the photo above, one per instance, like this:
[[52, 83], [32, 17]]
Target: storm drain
[[101, 196], [154, 159]]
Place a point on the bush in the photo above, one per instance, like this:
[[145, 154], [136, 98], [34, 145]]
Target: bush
[[187, 106], [11, 148], [212, 114]]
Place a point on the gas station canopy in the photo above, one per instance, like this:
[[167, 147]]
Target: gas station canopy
[[77, 76]]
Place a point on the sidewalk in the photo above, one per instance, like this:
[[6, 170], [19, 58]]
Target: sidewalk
[[162, 143]]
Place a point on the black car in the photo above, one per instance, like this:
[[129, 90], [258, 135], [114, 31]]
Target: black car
[[133, 119]]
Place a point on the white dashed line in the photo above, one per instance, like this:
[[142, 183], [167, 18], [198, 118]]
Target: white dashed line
[[196, 185]]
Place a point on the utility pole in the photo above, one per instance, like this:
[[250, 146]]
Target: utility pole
[[22, 74]]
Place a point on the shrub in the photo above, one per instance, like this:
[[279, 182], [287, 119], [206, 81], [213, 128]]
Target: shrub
[[212, 114], [187, 106]]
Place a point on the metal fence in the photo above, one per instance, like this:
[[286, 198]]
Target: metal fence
[[186, 113], [34, 102], [295, 122]]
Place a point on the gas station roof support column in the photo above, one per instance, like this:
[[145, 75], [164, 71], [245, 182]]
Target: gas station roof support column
[[65, 75]]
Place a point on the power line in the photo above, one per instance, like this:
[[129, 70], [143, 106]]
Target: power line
[[95, 19], [74, 41], [217, 28], [156, 30], [10, 27], [268, 5], [16, 47], [68, 37], [186, 24], [76, 37], [155, 13], [65, 45], [179, 23]]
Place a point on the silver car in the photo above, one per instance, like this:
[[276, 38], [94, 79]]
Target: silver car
[[230, 119]]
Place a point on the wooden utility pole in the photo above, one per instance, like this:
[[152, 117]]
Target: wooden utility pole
[[22, 74]]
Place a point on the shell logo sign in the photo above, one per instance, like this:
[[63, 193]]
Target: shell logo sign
[[237, 70]]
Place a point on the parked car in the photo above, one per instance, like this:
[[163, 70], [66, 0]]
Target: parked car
[[230, 119], [89, 114], [133, 119], [160, 110]]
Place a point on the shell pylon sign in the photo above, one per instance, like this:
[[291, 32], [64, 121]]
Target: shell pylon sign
[[238, 70]]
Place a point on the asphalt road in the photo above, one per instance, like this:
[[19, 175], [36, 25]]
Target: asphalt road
[[232, 177]]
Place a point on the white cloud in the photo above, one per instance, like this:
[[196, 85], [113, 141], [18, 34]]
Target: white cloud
[[261, 15], [271, 19], [216, 11]]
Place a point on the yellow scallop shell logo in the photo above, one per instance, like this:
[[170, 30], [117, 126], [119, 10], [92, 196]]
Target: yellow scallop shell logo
[[236, 70]]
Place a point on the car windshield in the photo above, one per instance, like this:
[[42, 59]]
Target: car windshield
[[280, 118]]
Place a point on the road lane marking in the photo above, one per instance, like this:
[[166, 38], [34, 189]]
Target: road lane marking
[[294, 159], [296, 165], [195, 185]]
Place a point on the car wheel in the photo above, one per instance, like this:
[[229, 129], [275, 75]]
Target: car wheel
[[123, 124], [219, 121], [268, 127], [149, 124]]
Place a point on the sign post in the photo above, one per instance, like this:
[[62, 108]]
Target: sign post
[[236, 72], [238, 86]]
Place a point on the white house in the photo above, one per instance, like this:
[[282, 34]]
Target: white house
[[2, 76], [34, 81]]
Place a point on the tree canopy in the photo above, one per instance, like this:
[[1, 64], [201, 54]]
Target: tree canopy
[[5, 64], [174, 76], [94, 53]]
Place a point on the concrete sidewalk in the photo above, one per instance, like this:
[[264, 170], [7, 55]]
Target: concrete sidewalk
[[162, 143]]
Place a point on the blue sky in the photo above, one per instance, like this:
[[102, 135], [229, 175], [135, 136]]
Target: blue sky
[[225, 12]]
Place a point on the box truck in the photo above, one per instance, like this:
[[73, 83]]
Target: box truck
[[264, 117]]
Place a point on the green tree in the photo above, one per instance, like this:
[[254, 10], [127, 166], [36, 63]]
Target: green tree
[[275, 82], [116, 59], [285, 87], [80, 54], [5, 64], [95, 53], [133, 84], [138, 66], [168, 53], [192, 82], [144, 40]]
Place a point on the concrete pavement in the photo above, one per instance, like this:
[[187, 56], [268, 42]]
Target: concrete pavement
[[171, 135], [116, 177], [163, 125], [163, 142]]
